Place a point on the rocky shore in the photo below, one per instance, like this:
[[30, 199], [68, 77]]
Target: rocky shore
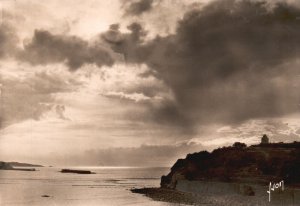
[[173, 196]]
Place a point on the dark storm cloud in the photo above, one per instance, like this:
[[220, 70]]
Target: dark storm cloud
[[126, 43], [136, 8], [46, 48], [226, 61]]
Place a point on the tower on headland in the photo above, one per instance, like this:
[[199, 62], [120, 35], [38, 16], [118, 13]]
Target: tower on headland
[[264, 139]]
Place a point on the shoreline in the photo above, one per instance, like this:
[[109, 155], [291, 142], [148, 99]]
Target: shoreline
[[169, 195]]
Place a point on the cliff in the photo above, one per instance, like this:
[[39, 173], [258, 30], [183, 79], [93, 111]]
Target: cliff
[[258, 164]]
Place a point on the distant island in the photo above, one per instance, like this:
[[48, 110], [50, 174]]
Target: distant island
[[236, 170], [18, 166]]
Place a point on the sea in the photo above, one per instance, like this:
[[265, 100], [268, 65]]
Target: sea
[[109, 186]]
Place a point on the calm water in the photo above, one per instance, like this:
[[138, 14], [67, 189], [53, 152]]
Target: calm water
[[109, 186]]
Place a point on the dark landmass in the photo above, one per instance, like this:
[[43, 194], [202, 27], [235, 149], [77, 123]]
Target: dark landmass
[[255, 164], [25, 169], [237, 175], [20, 164], [5, 166], [76, 171], [12, 165]]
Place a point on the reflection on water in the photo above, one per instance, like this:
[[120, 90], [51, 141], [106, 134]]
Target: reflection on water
[[109, 186]]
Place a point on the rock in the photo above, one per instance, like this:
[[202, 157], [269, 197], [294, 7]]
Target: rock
[[247, 190], [76, 171], [165, 181]]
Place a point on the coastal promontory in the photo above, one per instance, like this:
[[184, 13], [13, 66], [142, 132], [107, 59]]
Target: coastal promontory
[[262, 174], [260, 164]]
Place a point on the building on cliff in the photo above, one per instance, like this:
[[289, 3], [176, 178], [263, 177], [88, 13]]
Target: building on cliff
[[264, 139]]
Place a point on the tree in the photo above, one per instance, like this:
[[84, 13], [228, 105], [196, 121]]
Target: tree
[[239, 145]]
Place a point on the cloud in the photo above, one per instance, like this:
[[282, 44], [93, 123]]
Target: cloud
[[126, 43], [33, 96], [227, 62], [60, 111], [46, 48], [8, 41], [136, 8], [134, 96]]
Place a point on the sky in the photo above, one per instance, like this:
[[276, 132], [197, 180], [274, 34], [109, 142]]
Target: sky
[[144, 82]]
